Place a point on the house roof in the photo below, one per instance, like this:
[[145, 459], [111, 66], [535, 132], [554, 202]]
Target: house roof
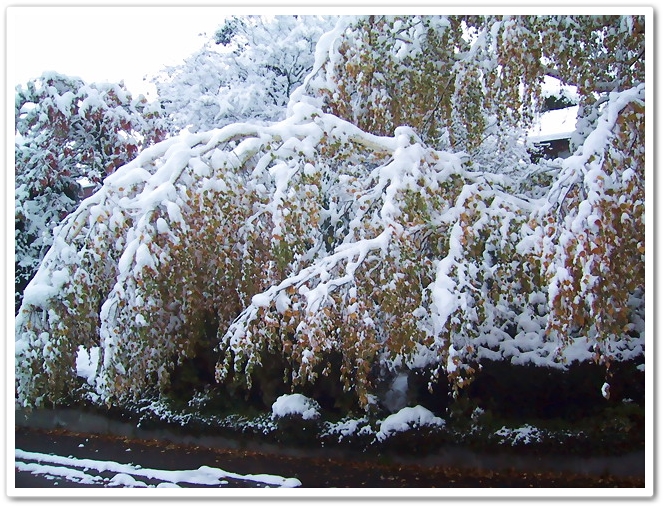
[[554, 125]]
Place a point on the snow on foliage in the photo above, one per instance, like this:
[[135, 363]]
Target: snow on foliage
[[349, 248], [347, 427], [524, 435], [247, 72], [68, 130], [406, 419], [295, 404]]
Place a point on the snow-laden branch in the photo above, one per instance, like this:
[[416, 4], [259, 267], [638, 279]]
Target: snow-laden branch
[[127, 233], [592, 153], [303, 238]]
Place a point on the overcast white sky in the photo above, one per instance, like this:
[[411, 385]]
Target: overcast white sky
[[104, 43], [124, 42]]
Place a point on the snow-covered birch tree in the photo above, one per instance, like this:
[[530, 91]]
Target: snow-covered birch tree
[[361, 237]]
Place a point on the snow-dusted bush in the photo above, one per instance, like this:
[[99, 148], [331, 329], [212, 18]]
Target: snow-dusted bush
[[347, 428], [406, 419], [312, 238], [295, 404], [524, 435]]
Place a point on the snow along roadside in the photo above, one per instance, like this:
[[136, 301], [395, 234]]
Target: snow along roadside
[[76, 470]]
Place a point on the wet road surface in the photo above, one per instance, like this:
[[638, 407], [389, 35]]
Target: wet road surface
[[312, 472]]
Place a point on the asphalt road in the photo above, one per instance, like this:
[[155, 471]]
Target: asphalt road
[[319, 472]]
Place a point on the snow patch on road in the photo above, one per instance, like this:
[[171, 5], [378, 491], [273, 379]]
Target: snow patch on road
[[135, 476]]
